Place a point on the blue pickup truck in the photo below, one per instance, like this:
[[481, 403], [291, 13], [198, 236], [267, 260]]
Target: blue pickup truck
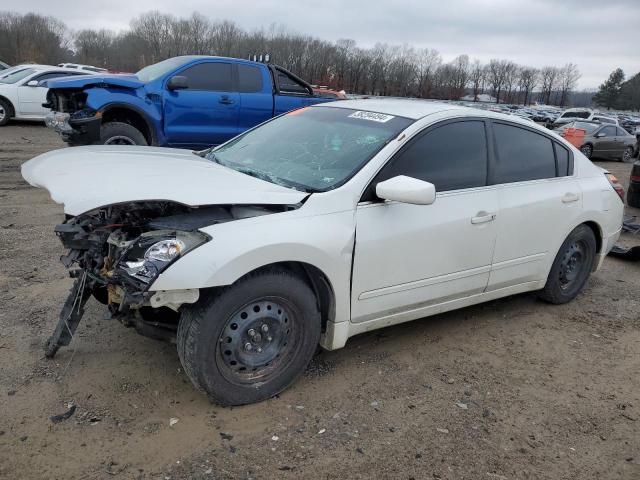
[[188, 101]]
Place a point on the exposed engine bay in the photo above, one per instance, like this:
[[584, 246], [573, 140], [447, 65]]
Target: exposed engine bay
[[116, 252]]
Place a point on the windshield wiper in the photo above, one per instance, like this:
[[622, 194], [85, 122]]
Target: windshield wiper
[[272, 179]]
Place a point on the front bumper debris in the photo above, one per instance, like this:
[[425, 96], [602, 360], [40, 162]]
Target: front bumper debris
[[77, 128]]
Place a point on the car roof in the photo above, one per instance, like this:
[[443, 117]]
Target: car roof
[[402, 107], [415, 109]]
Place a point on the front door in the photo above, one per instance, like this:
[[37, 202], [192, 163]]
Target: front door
[[605, 143], [412, 256], [206, 112]]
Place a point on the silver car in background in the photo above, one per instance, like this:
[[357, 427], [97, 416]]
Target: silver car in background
[[604, 140]]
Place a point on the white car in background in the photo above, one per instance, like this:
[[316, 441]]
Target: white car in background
[[84, 68], [23, 90], [321, 224]]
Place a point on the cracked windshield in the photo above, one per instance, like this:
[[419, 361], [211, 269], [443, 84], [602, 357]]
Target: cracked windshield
[[311, 149]]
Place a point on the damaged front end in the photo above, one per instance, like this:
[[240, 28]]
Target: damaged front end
[[115, 253], [71, 117]]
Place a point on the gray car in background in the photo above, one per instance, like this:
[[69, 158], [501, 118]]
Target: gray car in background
[[604, 140]]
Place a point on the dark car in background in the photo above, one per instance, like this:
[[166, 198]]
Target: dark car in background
[[604, 140], [633, 193]]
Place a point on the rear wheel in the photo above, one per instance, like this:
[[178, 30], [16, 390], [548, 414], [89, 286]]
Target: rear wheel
[[252, 340], [627, 156], [587, 150], [120, 133], [6, 112], [571, 267]]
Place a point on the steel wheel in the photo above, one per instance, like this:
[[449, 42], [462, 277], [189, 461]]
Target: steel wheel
[[257, 340], [119, 140], [587, 150], [573, 264]]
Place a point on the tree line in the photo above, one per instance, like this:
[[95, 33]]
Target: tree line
[[395, 70], [617, 93]]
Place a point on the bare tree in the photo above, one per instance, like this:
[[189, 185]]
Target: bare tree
[[568, 79], [476, 78]]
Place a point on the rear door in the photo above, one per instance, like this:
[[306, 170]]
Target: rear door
[[207, 111], [290, 92], [538, 199]]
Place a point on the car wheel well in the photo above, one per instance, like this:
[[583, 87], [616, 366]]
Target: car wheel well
[[313, 277], [12, 109], [595, 228], [133, 118]]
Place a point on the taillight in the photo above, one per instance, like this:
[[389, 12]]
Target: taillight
[[615, 184], [635, 178]]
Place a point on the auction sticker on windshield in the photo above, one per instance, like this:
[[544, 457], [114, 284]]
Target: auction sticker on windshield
[[373, 116]]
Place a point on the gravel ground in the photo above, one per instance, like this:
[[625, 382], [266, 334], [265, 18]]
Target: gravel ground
[[510, 389]]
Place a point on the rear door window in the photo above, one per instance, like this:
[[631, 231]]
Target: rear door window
[[621, 132], [452, 157], [216, 77], [522, 155]]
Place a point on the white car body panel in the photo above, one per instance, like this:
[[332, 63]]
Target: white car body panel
[[27, 100], [410, 260]]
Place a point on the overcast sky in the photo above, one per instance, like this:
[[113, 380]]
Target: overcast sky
[[597, 35]]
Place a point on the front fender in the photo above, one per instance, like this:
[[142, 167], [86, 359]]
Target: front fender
[[242, 246], [146, 105]]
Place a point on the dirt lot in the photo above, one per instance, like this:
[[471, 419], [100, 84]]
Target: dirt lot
[[511, 389]]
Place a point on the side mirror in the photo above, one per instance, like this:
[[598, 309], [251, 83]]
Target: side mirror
[[407, 190], [32, 83], [600, 135], [178, 83]]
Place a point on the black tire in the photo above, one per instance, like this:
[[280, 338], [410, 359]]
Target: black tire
[[627, 155], [120, 133], [229, 363], [6, 112], [633, 198], [587, 150], [572, 266]]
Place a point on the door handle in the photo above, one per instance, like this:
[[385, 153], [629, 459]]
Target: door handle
[[483, 217], [225, 100], [570, 197]]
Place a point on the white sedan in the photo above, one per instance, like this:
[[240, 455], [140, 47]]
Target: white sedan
[[23, 91], [321, 224]]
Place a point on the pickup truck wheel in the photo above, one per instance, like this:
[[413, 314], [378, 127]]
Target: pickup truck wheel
[[120, 133], [571, 267], [6, 112], [251, 340]]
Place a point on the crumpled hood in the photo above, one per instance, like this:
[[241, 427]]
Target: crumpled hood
[[81, 81], [85, 178]]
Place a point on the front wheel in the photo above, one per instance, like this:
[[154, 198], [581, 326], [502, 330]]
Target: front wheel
[[587, 150], [250, 341], [5, 112], [571, 267], [120, 133]]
